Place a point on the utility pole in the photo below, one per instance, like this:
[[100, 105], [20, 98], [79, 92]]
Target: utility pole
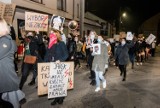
[[120, 20], [82, 4]]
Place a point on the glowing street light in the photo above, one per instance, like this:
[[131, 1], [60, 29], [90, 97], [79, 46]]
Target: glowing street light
[[121, 21], [124, 14]]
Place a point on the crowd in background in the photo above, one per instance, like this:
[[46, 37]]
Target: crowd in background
[[57, 47]]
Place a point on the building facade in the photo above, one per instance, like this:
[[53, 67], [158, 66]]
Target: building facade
[[70, 9], [151, 26]]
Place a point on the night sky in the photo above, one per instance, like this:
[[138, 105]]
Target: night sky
[[137, 11]]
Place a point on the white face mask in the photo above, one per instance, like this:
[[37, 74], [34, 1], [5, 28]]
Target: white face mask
[[123, 42], [99, 40]]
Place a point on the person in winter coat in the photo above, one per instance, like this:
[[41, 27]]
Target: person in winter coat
[[71, 46], [122, 56], [32, 47], [98, 64], [10, 95], [56, 52]]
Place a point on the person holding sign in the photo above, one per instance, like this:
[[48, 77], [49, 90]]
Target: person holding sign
[[32, 44], [122, 56], [56, 52], [98, 64]]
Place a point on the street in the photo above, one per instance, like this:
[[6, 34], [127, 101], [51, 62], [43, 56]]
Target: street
[[140, 90]]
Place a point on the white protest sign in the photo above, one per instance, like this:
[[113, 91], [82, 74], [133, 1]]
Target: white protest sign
[[43, 75], [34, 21], [5, 1], [150, 39], [57, 22], [71, 76], [58, 78], [129, 36], [96, 49]]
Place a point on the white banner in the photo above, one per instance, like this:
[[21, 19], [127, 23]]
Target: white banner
[[129, 36], [58, 79], [96, 49], [150, 38]]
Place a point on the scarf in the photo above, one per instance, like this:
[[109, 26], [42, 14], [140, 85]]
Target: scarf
[[53, 40]]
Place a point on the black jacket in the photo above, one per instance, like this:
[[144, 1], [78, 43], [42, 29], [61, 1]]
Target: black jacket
[[57, 52]]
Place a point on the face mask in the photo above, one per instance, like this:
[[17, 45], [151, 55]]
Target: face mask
[[99, 40], [53, 40], [123, 42], [30, 37]]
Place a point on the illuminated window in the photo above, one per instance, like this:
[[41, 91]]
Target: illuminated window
[[61, 5], [38, 1]]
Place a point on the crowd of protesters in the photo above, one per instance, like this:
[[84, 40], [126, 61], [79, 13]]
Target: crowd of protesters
[[57, 47]]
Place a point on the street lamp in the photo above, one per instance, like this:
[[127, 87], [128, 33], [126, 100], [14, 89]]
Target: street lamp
[[122, 16]]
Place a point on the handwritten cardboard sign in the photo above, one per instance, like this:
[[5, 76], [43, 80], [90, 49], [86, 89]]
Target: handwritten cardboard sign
[[150, 38], [58, 78], [43, 75], [34, 21], [2, 8], [9, 13]]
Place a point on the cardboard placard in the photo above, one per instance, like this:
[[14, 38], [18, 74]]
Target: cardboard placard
[[43, 75], [2, 8], [58, 78], [150, 38], [34, 21], [9, 13]]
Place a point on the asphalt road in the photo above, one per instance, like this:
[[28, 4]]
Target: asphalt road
[[140, 90]]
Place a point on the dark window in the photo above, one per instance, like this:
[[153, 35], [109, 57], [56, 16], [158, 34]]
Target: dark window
[[38, 1], [61, 5]]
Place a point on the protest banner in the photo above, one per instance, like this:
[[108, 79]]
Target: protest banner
[[150, 39], [9, 13], [2, 8], [34, 21], [43, 75], [58, 78], [129, 36], [57, 22], [71, 76], [96, 49]]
